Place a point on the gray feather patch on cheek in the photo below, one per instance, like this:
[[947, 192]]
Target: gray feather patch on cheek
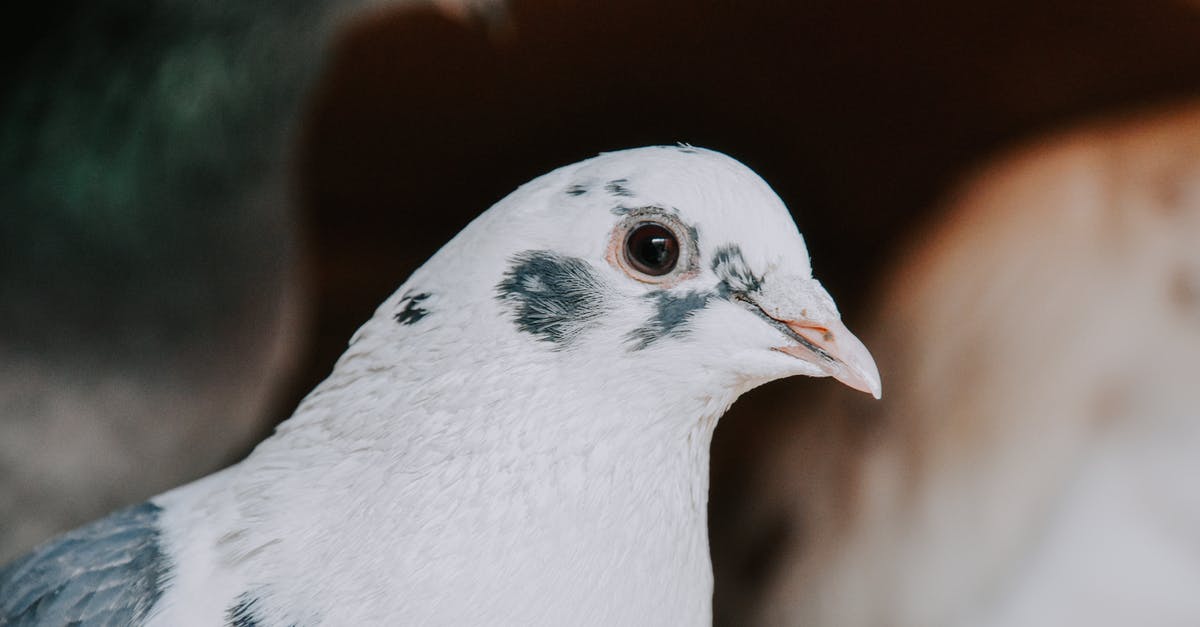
[[671, 316], [552, 297]]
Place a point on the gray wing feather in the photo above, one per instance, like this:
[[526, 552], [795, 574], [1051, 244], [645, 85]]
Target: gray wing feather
[[110, 572]]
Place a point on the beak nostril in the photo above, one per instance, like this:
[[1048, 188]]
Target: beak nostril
[[826, 334]]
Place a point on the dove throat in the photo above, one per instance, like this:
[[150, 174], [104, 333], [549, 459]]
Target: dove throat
[[540, 496]]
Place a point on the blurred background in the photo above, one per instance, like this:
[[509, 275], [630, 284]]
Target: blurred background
[[200, 202]]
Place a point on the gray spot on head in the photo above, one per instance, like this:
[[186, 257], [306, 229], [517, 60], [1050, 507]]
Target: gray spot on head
[[577, 190], [110, 572], [553, 297], [618, 187], [413, 311], [733, 271], [671, 314]]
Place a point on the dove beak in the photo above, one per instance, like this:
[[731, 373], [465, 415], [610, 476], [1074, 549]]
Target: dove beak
[[833, 348], [821, 340]]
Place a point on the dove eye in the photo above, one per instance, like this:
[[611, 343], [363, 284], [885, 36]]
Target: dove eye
[[651, 245], [652, 249]]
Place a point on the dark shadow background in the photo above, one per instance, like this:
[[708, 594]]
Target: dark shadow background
[[860, 114]]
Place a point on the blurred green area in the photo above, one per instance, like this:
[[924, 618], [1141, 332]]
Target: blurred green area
[[140, 146]]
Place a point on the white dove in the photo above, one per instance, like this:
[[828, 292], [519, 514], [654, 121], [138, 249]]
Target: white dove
[[518, 436]]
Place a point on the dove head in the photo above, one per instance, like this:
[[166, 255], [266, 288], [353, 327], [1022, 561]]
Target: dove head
[[547, 385], [669, 271]]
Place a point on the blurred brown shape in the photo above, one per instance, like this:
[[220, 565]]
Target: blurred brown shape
[[1035, 456]]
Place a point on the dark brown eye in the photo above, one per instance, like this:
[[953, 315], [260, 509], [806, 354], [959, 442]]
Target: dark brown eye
[[651, 249]]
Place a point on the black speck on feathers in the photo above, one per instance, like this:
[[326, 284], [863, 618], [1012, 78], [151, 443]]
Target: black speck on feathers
[[618, 187], [412, 312], [242, 614]]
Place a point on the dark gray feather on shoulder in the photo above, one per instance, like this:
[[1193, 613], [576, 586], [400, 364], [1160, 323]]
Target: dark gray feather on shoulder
[[110, 572]]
